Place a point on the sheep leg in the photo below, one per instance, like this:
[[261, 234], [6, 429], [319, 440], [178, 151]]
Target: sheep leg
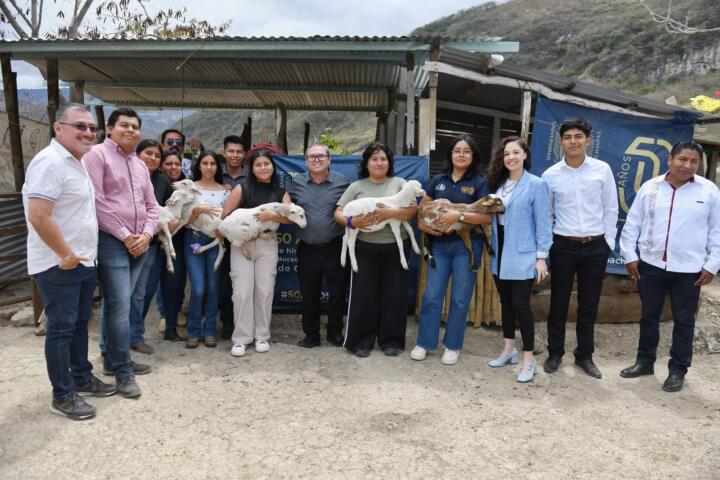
[[351, 247], [221, 252], [207, 246], [395, 227], [411, 232], [167, 246], [343, 250], [464, 234]]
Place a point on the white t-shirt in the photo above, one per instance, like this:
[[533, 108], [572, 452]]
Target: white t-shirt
[[55, 175]]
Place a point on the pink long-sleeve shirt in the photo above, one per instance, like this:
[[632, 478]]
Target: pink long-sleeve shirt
[[124, 198]]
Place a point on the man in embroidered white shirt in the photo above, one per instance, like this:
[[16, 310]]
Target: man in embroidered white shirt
[[583, 198], [674, 223]]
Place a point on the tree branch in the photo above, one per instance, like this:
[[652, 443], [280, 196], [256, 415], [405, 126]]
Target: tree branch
[[20, 12], [36, 31], [79, 16], [11, 20], [675, 26]]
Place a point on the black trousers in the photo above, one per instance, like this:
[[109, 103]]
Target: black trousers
[[654, 284], [314, 262], [586, 260], [378, 298], [225, 303], [515, 302]]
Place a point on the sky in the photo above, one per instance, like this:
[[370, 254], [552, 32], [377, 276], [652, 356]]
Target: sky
[[293, 18]]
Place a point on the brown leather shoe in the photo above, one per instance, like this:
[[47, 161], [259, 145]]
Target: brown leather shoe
[[211, 342], [192, 342], [143, 348]]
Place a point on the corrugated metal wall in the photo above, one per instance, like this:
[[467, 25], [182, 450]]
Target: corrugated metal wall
[[11, 214]]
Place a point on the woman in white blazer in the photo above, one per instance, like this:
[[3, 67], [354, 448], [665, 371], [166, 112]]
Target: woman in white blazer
[[521, 242]]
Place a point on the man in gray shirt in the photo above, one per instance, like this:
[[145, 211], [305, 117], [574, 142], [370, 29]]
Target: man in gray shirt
[[318, 191]]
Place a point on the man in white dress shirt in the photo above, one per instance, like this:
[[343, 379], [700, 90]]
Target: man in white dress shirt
[[583, 198], [674, 222]]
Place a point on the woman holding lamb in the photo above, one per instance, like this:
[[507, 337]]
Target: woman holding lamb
[[521, 241], [460, 183], [378, 291], [207, 174], [253, 267]]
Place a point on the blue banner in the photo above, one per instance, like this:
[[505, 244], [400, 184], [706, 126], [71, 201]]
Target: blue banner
[[636, 148], [287, 287]]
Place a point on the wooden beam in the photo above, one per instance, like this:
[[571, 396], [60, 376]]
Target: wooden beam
[[409, 147], [77, 92], [13, 113], [53, 89], [100, 119], [306, 137], [487, 112], [526, 109], [281, 127]]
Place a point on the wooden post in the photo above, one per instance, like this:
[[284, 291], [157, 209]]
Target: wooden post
[[398, 140], [495, 133], [100, 119], [391, 118], [281, 126], [380, 129], [77, 92], [247, 134], [13, 113], [712, 165], [37, 302], [53, 89], [525, 115], [409, 148], [424, 135], [306, 137], [433, 84]]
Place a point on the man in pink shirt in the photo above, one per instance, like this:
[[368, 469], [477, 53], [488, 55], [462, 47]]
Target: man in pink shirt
[[127, 214]]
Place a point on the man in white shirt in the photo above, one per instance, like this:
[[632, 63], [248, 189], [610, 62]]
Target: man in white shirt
[[59, 201], [674, 222], [583, 198]]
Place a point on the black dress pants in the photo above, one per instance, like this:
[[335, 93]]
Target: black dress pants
[[587, 260], [378, 298], [314, 261], [225, 303]]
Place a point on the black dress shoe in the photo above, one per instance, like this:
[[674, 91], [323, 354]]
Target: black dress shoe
[[309, 342], [673, 383], [638, 370], [392, 351], [336, 339], [552, 364], [362, 353], [589, 367], [172, 336]]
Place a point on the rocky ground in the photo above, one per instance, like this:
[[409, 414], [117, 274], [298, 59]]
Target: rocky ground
[[322, 413]]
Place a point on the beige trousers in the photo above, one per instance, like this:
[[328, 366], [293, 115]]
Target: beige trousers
[[253, 268]]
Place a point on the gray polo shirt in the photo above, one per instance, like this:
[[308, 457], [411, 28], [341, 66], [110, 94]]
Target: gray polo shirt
[[228, 180], [319, 201]]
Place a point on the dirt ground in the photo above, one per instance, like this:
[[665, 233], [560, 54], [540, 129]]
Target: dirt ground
[[322, 413]]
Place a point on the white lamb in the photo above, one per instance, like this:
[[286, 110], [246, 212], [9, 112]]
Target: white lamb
[[362, 206], [178, 207], [242, 225]]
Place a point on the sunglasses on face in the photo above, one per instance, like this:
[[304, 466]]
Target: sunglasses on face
[[82, 126], [172, 141]]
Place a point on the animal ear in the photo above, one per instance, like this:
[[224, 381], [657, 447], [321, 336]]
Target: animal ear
[[284, 209]]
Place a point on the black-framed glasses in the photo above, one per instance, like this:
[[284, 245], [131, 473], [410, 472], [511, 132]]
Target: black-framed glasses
[[172, 141], [82, 126], [317, 158]]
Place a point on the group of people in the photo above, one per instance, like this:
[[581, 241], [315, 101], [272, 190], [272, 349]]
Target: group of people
[[93, 209]]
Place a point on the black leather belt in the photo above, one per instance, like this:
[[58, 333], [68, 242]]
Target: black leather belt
[[580, 239]]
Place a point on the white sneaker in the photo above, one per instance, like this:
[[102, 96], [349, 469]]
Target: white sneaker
[[450, 357], [238, 350], [262, 346], [418, 353]]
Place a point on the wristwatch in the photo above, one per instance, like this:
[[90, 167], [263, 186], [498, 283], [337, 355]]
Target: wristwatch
[[462, 217]]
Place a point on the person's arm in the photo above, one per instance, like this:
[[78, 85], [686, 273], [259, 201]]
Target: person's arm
[[232, 201], [271, 216], [631, 233], [610, 208], [425, 228], [543, 228], [40, 217], [712, 264]]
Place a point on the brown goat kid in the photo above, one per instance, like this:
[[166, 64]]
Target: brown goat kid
[[430, 211]]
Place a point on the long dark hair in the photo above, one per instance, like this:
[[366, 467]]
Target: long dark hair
[[368, 152], [251, 180], [497, 172], [473, 167], [197, 174]]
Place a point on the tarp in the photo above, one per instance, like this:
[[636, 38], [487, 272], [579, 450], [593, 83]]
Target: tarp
[[636, 148], [287, 288]]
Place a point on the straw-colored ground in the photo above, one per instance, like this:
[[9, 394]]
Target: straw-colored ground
[[322, 413]]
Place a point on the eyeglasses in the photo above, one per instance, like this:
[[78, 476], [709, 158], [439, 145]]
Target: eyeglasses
[[81, 126], [462, 153], [172, 141], [317, 158]]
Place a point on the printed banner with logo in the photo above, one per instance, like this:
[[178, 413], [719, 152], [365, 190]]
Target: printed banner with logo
[[287, 287], [636, 148]]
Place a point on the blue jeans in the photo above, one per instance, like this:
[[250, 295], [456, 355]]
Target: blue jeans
[[451, 258], [153, 282], [67, 297], [137, 305], [118, 273], [653, 286], [202, 281]]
